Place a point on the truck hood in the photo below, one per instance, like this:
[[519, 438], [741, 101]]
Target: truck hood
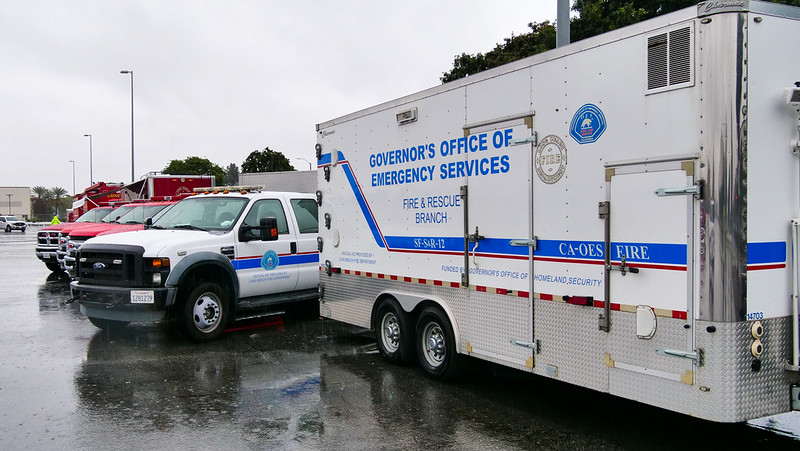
[[162, 242], [93, 229]]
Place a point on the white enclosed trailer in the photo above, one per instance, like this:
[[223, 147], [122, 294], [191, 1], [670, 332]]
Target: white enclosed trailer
[[619, 213]]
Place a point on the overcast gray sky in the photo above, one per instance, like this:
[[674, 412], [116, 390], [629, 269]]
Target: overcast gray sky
[[215, 79]]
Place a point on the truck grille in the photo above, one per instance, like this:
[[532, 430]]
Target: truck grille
[[110, 265], [47, 238]]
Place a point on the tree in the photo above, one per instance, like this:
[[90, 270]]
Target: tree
[[231, 175], [542, 37], [41, 204], [594, 17], [57, 193], [266, 160], [195, 166]]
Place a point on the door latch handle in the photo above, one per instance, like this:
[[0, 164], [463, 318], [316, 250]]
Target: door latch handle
[[623, 267], [475, 237]]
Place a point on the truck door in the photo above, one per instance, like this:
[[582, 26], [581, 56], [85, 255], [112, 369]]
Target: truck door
[[649, 270], [306, 255], [266, 267], [497, 207]]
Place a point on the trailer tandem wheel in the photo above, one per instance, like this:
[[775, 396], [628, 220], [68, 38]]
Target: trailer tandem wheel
[[436, 345], [395, 339]]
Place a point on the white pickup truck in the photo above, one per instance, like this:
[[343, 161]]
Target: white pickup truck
[[208, 260]]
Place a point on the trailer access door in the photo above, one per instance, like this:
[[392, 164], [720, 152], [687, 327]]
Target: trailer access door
[[649, 275], [497, 206]]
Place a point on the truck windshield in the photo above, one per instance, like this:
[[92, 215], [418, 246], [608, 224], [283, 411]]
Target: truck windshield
[[117, 213], [206, 213], [93, 215], [141, 212]]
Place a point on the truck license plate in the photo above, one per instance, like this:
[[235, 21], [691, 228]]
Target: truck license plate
[[142, 297]]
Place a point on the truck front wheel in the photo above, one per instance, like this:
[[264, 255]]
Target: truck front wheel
[[436, 345], [205, 312], [395, 340]]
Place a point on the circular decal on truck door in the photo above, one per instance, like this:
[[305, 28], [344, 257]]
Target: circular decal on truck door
[[550, 159], [270, 260]]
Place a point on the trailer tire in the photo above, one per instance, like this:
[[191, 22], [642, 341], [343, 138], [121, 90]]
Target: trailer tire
[[107, 324], [204, 314], [395, 338], [436, 345]]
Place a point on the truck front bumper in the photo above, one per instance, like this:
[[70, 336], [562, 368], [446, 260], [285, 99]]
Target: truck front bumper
[[114, 303], [46, 254]]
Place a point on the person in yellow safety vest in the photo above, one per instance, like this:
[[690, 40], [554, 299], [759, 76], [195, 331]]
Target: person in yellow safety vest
[[55, 220]]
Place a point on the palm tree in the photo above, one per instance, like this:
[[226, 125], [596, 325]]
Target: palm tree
[[58, 193], [41, 206]]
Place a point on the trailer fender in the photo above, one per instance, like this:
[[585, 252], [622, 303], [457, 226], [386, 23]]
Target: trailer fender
[[193, 261], [410, 301]]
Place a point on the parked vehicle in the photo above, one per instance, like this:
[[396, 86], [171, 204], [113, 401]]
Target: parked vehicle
[[9, 223], [48, 238], [132, 219], [618, 213], [207, 261]]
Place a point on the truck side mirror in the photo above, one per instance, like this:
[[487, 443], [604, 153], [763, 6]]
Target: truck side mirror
[[268, 229], [148, 222]]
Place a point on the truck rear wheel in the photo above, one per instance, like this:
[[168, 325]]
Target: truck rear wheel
[[436, 345], [53, 266], [395, 340], [205, 312]]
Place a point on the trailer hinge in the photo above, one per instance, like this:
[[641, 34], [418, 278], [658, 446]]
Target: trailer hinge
[[603, 208], [696, 356], [526, 344], [534, 243]]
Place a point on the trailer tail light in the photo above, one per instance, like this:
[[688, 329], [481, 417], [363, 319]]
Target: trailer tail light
[[579, 300]]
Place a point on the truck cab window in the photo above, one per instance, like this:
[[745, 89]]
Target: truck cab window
[[266, 208], [305, 210]]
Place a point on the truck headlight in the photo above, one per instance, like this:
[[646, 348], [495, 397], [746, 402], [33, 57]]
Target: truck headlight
[[157, 269]]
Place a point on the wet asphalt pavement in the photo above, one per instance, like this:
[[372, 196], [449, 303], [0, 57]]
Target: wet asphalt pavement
[[291, 381]]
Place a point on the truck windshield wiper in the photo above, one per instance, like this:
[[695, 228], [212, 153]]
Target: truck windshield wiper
[[188, 227]]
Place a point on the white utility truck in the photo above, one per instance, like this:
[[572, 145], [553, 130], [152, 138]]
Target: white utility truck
[[622, 213], [208, 260]]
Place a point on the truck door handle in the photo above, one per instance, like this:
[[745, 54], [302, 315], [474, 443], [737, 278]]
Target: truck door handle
[[293, 247]]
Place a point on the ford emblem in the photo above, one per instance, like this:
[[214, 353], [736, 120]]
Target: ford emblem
[[99, 265]]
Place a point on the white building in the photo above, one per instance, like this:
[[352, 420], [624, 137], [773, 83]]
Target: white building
[[15, 201]]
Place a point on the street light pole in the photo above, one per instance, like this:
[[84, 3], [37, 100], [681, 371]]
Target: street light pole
[[73, 176], [91, 176], [131, 73], [309, 163]]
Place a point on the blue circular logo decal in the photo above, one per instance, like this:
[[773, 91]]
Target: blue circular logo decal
[[588, 124], [270, 260]]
